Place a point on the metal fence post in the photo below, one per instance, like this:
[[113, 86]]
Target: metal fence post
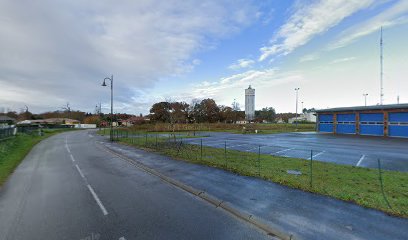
[[201, 148], [259, 161], [146, 140], [225, 155], [381, 183], [311, 168], [156, 140]]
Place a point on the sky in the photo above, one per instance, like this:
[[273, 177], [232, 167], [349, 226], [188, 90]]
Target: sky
[[59, 52]]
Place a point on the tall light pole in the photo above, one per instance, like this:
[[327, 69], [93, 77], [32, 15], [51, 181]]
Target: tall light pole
[[297, 91], [111, 118], [365, 98], [302, 107]]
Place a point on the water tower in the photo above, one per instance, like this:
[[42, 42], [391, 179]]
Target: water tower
[[249, 103]]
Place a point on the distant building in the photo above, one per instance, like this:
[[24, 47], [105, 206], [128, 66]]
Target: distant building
[[304, 117], [5, 120], [50, 121], [249, 104]]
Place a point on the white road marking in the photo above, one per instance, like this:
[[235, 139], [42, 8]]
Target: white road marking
[[98, 201], [253, 149], [80, 172], [66, 145], [122, 238], [72, 157], [238, 145], [89, 135], [282, 151], [318, 154], [359, 161]]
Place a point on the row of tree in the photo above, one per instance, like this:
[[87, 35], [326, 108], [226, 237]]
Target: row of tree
[[205, 110]]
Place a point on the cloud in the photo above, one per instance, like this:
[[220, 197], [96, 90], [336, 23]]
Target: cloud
[[242, 63], [341, 60], [58, 52], [310, 20], [394, 15], [238, 82], [309, 57]]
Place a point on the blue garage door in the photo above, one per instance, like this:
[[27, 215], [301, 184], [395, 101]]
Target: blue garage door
[[346, 123], [372, 124], [326, 123], [398, 124]]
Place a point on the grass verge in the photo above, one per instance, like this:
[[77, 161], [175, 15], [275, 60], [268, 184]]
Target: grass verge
[[347, 183], [262, 128], [13, 150]]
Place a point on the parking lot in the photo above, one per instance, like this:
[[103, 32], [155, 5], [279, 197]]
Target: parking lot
[[361, 151]]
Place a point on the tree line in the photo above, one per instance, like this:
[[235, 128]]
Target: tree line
[[204, 111]]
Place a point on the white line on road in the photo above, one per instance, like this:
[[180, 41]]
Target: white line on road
[[282, 151], [66, 145], [318, 154], [238, 145], [122, 238], [98, 201], [72, 157], [254, 148], [359, 161], [80, 172]]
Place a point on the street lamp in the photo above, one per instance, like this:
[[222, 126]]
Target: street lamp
[[365, 98], [297, 91], [111, 118]]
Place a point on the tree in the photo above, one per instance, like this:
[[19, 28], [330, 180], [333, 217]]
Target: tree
[[95, 119], [179, 112], [160, 112], [266, 113], [226, 114], [209, 110], [194, 111]]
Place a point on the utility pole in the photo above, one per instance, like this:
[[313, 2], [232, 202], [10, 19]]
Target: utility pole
[[381, 66], [365, 98], [398, 99]]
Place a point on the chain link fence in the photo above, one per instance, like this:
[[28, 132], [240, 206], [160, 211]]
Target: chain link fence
[[298, 168], [7, 132]]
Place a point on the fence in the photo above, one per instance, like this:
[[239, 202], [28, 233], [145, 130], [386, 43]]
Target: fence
[[7, 132], [298, 168]]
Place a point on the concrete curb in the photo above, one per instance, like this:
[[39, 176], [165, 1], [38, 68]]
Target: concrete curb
[[226, 206]]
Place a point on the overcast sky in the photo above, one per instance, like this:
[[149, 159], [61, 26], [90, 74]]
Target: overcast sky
[[54, 52]]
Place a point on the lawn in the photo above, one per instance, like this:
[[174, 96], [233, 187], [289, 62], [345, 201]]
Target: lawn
[[348, 183], [14, 149], [262, 128]]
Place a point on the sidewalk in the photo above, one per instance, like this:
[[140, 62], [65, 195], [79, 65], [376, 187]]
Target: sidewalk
[[301, 214]]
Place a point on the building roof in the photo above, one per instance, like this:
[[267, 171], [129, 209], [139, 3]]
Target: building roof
[[363, 108], [49, 121], [4, 118]]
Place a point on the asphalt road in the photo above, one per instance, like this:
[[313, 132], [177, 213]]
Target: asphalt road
[[361, 151], [69, 187]]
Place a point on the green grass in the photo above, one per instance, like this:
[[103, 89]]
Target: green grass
[[348, 183], [263, 128], [14, 149]]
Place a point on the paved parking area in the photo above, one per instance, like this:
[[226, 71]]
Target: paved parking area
[[362, 151]]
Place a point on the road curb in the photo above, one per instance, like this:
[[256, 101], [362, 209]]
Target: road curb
[[226, 206]]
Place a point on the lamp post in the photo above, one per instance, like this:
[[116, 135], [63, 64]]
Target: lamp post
[[365, 98], [297, 99], [111, 118]]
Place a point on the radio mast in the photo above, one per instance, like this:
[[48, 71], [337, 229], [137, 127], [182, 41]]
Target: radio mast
[[381, 65]]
